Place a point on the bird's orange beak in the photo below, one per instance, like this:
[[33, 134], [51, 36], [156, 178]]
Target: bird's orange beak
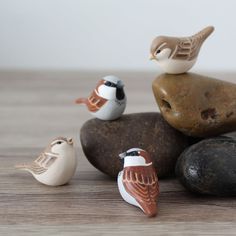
[[70, 141]]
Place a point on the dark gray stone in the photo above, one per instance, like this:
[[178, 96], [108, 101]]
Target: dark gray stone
[[102, 141], [209, 167]]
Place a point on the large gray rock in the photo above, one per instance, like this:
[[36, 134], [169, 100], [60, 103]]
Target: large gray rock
[[102, 141]]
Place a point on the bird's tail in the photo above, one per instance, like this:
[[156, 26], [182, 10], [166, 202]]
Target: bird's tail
[[81, 101], [150, 210], [203, 34], [22, 166]]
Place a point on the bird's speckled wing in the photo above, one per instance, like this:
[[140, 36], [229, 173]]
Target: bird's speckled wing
[[189, 47], [142, 184], [42, 163], [95, 102]]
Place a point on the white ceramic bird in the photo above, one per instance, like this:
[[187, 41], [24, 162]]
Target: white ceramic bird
[[56, 165], [138, 182], [108, 100], [177, 55]]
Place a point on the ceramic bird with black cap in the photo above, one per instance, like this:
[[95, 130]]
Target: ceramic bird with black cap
[[138, 182], [56, 165], [177, 55], [108, 99]]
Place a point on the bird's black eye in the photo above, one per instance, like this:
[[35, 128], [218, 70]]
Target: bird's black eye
[[107, 83], [134, 153], [59, 142], [158, 51], [110, 84]]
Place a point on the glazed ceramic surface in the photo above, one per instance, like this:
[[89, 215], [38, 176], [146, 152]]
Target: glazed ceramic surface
[[137, 182], [56, 165], [108, 100], [177, 55]]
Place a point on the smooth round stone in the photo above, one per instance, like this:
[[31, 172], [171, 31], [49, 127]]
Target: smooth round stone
[[103, 141], [209, 167], [196, 105]]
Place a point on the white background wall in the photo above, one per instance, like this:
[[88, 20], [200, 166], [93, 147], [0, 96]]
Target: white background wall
[[109, 34]]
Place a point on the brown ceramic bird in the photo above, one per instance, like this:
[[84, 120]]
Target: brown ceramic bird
[[177, 55], [138, 182]]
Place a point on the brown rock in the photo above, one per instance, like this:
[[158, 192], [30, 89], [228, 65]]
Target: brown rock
[[102, 141], [196, 105]]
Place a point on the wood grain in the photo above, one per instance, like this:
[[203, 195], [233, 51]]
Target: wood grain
[[38, 106]]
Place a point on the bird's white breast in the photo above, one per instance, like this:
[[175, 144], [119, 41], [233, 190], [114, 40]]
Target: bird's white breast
[[61, 171], [126, 196], [111, 110], [107, 92], [173, 66]]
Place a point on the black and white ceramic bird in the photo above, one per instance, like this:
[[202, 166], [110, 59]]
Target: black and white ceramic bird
[[108, 99]]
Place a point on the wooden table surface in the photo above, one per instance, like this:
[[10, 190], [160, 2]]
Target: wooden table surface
[[38, 106]]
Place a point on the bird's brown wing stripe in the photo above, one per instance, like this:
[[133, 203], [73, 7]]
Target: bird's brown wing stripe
[[42, 163], [50, 161], [144, 193], [36, 169], [189, 47], [95, 102], [141, 183], [140, 178], [184, 49]]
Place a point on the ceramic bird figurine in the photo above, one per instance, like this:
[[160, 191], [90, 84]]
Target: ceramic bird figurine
[[108, 100], [178, 55], [138, 182], [55, 165]]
